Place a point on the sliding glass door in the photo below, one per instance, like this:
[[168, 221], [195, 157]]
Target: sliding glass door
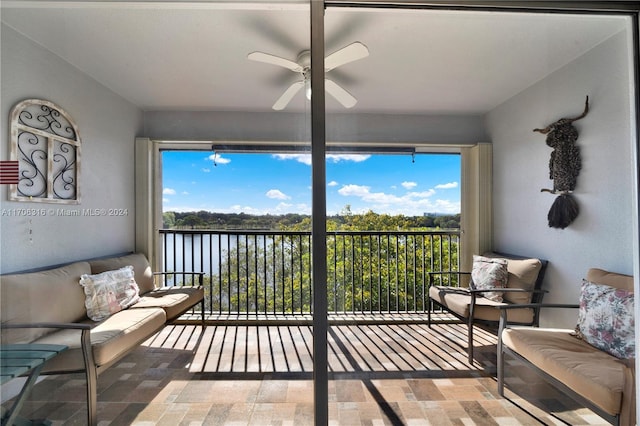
[[406, 81]]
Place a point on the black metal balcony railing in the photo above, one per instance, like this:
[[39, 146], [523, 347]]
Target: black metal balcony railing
[[269, 272]]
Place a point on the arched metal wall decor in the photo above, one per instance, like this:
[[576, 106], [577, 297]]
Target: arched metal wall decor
[[564, 166], [46, 143]]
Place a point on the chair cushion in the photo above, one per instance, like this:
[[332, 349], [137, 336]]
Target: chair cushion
[[613, 279], [53, 295], [592, 373], [141, 268], [458, 300], [523, 273], [110, 339]]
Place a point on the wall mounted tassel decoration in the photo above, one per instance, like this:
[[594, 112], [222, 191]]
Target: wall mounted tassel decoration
[[564, 167]]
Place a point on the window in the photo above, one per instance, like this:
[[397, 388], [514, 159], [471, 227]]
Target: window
[[46, 144]]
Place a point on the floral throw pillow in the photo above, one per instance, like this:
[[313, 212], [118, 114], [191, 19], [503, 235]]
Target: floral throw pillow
[[606, 319], [489, 274], [109, 292]]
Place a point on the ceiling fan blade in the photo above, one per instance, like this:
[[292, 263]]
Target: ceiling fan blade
[[341, 95], [288, 94], [347, 54], [274, 60]]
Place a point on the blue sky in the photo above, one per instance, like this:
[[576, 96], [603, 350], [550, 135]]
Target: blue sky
[[278, 184]]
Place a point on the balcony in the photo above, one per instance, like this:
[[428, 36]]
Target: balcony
[[266, 275]]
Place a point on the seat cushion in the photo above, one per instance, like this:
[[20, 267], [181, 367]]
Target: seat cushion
[[141, 268], [458, 300], [523, 273], [174, 300], [110, 339], [53, 295], [594, 374], [613, 279]]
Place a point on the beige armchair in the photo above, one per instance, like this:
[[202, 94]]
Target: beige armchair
[[524, 285]]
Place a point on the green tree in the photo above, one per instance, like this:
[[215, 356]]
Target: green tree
[[192, 221], [168, 220]]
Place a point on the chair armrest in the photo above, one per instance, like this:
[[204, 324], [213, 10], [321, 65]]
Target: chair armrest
[[432, 274], [536, 305], [85, 336], [505, 308], [60, 325], [506, 290], [521, 290], [458, 290], [192, 273]]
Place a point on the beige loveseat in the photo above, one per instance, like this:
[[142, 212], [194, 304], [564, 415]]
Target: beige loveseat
[[593, 377], [48, 307]]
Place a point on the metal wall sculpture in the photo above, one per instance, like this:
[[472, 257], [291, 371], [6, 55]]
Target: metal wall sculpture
[[564, 166], [46, 144]]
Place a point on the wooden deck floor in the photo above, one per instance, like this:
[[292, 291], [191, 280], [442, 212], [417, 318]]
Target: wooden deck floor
[[393, 374]]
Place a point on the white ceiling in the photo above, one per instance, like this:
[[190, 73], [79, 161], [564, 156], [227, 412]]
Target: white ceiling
[[192, 56]]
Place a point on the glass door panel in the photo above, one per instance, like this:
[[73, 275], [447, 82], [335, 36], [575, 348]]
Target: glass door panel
[[431, 158]]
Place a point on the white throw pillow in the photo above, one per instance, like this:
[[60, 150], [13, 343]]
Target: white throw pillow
[[109, 292]]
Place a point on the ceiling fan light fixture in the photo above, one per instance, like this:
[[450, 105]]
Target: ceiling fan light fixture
[[307, 89]]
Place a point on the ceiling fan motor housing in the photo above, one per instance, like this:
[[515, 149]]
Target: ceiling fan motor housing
[[350, 53]]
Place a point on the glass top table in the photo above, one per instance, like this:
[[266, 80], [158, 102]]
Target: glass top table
[[20, 359]]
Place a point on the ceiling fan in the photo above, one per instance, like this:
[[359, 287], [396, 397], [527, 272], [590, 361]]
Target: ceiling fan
[[349, 53]]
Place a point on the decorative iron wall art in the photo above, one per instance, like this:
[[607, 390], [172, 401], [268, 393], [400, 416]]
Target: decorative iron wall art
[[46, 144], [564, 166]]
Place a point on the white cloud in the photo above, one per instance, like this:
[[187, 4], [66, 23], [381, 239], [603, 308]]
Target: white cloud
[[218, 159], [300, 158], [332, 183], [449, 185], [237, 208], [355, 190], [277, 194], [206, 170], [447, 206], [169, 191], [423, 194], [409, 204], [185, 193], [409, 185], [281, 208], [335, 158], [284, 208], [356, 158]]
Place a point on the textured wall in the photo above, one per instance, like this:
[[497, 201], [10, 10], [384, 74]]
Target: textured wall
[[107, 125], [601, 236]]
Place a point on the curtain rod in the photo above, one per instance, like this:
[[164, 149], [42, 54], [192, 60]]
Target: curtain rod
[[306, 149]]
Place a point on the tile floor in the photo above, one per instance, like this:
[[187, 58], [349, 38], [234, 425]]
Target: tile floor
[[395, 374]]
